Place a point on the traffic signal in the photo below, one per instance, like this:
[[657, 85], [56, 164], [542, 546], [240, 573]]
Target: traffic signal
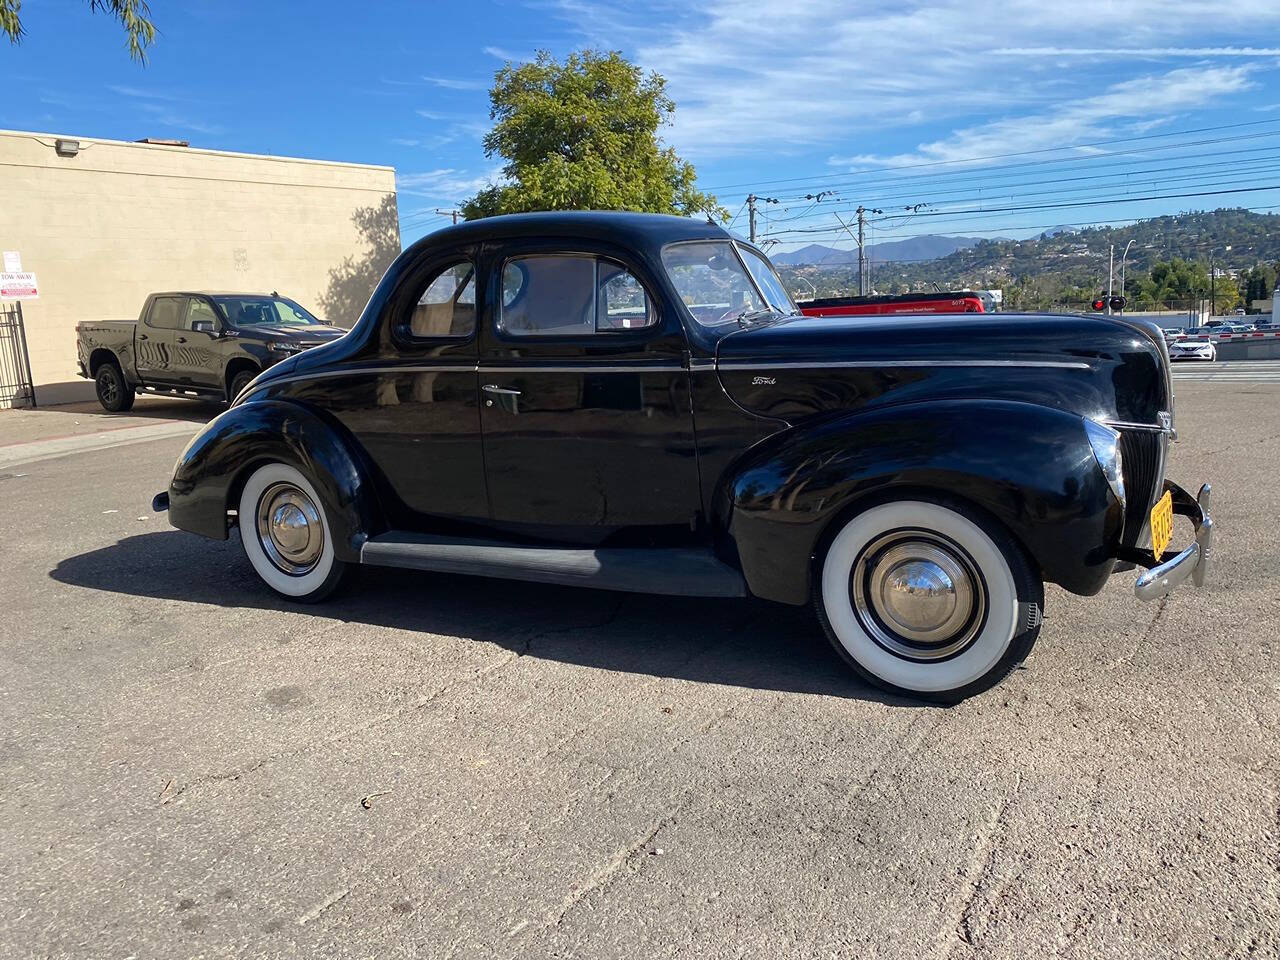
[[1116, 303]]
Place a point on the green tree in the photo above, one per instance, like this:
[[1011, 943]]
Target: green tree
[[583, 135], [134, 16]]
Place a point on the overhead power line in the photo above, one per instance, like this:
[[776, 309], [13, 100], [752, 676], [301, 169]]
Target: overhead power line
[[1002, 156], [997, 190]]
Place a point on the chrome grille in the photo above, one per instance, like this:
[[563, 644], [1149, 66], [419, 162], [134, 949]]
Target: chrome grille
[[1143, 452]]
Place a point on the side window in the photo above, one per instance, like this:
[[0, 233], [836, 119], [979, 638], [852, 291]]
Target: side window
[[623, 303], [447, 305], [568, 295], [166, 313], [200, 311]]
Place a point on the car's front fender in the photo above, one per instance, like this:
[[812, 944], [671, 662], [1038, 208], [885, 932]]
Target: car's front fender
[[1029, 467], [217, 461]]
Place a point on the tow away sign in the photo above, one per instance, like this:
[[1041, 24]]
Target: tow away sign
[[18, 286]]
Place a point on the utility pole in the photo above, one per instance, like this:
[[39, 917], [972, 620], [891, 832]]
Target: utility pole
[[1111, 274], [751, 217], [449, 213], [864, 281]]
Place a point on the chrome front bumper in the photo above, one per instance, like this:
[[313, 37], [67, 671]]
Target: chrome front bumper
[[1192, 562]]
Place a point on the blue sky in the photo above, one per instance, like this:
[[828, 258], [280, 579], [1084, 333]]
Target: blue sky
[[877, 101]]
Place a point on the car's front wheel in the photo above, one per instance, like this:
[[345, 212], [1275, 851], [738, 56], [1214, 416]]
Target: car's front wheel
[[928, 598], [287, 536]]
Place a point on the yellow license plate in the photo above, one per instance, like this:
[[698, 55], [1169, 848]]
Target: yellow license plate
[[1161, 525]]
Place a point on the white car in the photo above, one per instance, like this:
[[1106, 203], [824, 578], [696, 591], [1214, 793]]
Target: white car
[[1193, 348]]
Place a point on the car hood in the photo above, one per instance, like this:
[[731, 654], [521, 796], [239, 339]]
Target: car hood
[[1102, 367], [293, 334]]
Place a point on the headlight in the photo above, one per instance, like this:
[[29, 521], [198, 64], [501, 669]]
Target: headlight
[[284, 346], [1106, 450]]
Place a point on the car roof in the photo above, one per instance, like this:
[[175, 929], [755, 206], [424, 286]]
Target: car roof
[[646, 230], [218, 293]]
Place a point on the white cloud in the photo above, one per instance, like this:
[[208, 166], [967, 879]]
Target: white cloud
[[139, 94], [1126, 106], [1151, 52], [445, 185], [457, 83], [747, 76], [501, 53]]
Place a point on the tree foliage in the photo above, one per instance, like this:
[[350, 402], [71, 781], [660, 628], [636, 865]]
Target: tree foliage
[[134, 16], [1178, 282], [583, 135]]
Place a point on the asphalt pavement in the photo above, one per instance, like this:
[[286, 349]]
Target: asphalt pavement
[[438, 766]]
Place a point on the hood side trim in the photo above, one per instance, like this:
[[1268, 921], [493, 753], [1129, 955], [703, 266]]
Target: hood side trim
[[889, 363]]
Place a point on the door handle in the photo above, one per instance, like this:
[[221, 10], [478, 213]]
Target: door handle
[[142, 336], [508, 400]]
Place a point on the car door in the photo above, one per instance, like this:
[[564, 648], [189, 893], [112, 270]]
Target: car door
[[157, 339], [584, 396], [197, 359], [411, 403]]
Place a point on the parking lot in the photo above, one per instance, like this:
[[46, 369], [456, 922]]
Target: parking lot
[[439, 766]]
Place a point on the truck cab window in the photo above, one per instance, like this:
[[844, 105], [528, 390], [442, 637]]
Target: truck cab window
[[166, 313], [200, 315]]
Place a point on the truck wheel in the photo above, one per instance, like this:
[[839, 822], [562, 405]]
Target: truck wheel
[[928, 599], [113, 393], [286, 535], [239, 382]]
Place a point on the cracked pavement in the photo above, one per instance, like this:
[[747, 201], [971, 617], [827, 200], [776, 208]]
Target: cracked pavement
[[556, 772]]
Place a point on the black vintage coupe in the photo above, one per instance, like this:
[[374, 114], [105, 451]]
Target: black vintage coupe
[[632, 402]]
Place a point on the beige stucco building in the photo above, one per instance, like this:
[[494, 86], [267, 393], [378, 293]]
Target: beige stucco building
[[102, 223]]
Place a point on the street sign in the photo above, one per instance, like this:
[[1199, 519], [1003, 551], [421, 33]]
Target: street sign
[[18, 286], [12, 261]]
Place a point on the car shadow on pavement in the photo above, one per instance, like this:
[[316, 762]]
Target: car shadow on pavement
[[746, 643]]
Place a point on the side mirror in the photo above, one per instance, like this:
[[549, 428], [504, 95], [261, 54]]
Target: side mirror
[[204, 326]]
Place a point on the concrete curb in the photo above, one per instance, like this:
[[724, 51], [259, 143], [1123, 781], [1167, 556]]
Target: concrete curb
[[36, 450]]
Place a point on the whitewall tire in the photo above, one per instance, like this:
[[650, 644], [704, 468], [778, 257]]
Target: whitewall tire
[[928, 598], [287, 536]]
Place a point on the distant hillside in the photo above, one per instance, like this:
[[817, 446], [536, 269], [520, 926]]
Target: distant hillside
[[912, 249], [1063, 265]]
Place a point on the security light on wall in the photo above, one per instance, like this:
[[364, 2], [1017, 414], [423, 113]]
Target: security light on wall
[[66, 148]]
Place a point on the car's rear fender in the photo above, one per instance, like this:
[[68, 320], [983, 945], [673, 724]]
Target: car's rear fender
[[1029, 467], [212, 470]]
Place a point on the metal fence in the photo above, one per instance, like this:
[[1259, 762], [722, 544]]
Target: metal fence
[[16, 389]]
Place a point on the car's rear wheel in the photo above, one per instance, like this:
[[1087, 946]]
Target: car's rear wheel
[[287, 536], [928, 598], [113, 393]]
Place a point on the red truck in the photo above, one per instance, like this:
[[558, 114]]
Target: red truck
[[960, 301]]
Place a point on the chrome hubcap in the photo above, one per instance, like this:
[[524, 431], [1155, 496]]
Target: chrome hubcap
[[917, 595], [290, 529]]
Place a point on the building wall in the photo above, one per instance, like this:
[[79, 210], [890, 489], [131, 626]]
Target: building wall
[[117, 221]]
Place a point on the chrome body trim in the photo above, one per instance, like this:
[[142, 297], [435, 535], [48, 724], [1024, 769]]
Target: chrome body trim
[[1192, 562], [890, 363], [471, 367], [1164, 426], [590, 368]]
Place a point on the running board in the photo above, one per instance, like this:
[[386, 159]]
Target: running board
[[686, 572]]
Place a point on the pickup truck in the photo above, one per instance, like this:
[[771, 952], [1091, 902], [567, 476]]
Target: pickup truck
[[633, 402], [207, 345]]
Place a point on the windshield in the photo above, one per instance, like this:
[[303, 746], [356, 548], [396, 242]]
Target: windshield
[[710, 280], [765, 277], [248, 311]]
